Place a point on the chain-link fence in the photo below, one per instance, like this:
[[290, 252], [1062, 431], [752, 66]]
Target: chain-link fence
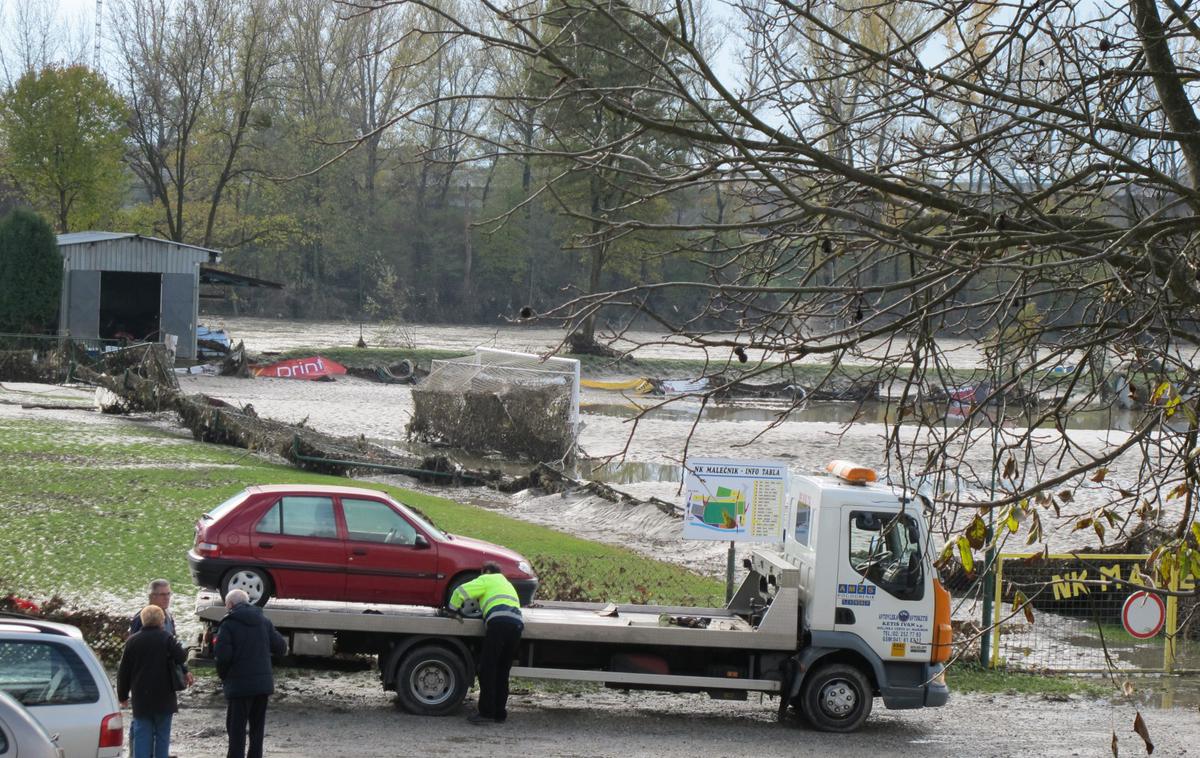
[[1067, 613], [48, 358]]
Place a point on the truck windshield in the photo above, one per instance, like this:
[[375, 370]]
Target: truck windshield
[[885, 549]]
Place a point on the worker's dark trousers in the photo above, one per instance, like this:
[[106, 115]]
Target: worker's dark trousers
[[242, 712], [500, 642]]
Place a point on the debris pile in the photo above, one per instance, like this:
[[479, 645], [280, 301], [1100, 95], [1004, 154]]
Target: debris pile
[[486, 409]]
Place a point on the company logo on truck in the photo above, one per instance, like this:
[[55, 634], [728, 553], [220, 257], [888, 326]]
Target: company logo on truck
[[856, 594]]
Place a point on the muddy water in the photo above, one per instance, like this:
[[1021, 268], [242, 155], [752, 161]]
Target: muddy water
[[623, 448], [265, 335]]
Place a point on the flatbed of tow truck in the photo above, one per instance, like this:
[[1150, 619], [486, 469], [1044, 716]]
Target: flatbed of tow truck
[[826, 625]]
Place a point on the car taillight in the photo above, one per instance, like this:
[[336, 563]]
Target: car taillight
[[112, 730], [208, 549]]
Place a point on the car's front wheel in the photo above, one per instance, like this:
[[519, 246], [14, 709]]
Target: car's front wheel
[[469, 608], [255, 582]]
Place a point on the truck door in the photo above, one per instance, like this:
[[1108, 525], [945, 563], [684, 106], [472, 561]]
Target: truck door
[[883, 590]]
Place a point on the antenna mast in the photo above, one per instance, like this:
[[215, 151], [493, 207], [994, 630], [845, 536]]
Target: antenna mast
[[96, 43]]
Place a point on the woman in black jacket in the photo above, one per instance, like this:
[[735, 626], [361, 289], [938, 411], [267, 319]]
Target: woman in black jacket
[[146, 673]]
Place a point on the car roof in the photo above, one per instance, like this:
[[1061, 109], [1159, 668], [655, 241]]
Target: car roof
[[19, 623], [324, 489]]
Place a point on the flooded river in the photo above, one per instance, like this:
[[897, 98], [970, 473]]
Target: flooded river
[[643, 452]]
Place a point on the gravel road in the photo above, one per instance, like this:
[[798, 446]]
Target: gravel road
[[333, 714]]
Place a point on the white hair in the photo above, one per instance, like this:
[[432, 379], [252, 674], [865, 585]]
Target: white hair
[[235, 598]]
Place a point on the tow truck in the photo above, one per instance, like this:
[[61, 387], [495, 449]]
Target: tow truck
[[848, 610]]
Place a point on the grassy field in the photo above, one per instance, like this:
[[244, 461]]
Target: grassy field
[[968, 677], [97, 510]]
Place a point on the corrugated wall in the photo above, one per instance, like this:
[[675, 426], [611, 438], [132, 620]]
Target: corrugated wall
[[132, 254]]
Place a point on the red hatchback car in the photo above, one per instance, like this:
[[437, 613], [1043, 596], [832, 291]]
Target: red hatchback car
[[338, 543]]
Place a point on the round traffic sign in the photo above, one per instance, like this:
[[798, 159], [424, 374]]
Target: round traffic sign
[[1143, 614]]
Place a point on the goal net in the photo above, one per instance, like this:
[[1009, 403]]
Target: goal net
[[511, 403]]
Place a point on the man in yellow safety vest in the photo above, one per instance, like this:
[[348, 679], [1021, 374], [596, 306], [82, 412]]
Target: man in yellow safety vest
[[503, 625]]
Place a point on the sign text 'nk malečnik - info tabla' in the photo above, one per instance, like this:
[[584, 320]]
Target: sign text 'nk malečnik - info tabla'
[[735, 501]]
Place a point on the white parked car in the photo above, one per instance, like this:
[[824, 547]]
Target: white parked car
[[50, 670], [21, 736]]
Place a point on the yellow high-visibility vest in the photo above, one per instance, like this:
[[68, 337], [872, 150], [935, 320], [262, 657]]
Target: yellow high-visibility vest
[[493, 592]]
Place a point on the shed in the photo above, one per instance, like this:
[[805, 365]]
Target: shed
[[125, 285]]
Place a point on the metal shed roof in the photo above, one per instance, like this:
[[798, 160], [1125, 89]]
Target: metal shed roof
[[89, 237]]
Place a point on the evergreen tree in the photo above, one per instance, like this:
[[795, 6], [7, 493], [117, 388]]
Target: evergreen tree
[[30, 274]]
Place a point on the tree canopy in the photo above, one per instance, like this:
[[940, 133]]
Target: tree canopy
[[936, 193], [63, 131]]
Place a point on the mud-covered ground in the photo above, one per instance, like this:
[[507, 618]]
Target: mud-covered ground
[[333, 714]]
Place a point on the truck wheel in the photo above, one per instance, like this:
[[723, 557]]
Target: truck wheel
[[431, 681], [836, 698], [255, 582]]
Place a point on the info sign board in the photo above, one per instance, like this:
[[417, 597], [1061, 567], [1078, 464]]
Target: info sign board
[[735, 501]]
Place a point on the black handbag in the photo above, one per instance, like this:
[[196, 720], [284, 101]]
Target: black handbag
[[178, 676]]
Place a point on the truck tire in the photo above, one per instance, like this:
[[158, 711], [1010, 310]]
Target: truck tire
[[254, 581], [431, 681], [836, 698]]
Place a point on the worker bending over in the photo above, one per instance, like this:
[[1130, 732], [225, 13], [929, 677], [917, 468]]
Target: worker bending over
[[502, 634]]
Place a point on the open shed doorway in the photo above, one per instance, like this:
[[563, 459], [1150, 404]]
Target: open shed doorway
[[129, 305]]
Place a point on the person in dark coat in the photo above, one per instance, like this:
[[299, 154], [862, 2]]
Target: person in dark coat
[[245, 642], [145, 675], [160, 595]]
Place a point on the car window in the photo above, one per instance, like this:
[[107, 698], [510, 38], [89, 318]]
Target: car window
[[420, 519], [885, 549], [40, 672], [216, 513], [373, 521], [300, 517]]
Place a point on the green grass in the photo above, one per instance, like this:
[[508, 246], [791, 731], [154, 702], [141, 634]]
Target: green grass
[[99, 510], [966, 677]]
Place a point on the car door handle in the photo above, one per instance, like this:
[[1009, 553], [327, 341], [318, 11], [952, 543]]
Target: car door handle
[[267, 545], [358, 551]]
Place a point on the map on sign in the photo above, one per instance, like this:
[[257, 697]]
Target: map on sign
[[737, 501]]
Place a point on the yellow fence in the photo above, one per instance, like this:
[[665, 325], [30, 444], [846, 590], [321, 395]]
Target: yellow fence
[[1076, 602]]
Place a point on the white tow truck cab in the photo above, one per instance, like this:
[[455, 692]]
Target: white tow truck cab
[[850, 609]]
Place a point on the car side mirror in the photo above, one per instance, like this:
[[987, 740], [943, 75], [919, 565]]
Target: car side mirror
[[420, 543]]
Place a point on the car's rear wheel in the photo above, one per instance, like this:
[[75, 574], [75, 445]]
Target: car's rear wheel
[[431, 681], [255, 582]]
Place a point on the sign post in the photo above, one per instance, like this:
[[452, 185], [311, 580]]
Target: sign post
[[738, 501]]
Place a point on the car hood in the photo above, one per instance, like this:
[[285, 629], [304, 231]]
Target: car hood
[[491, 549]]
